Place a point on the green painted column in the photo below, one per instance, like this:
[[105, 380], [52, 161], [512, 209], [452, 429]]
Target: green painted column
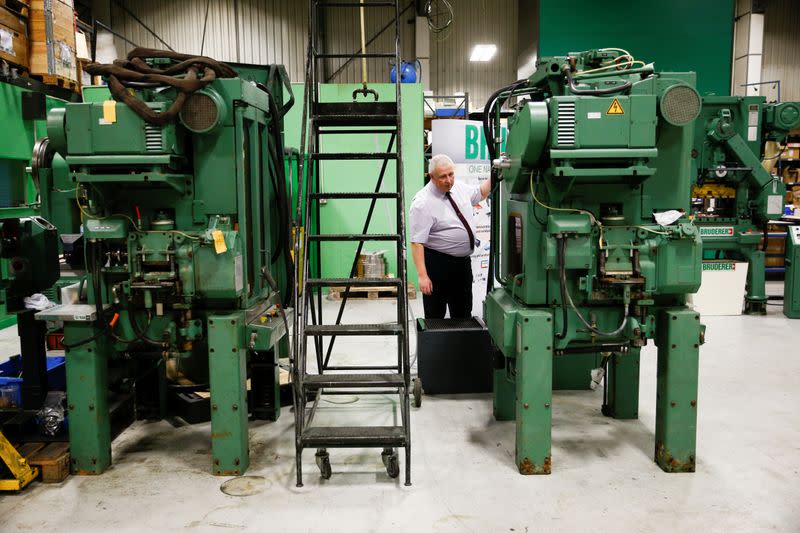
[[534, 390], [678, 343], [622, 382], [227, 361], [87, 399]]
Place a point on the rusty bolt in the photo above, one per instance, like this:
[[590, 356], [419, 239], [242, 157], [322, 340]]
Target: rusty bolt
[[525, 405], [672, 403], [547, 405], [235, 407], [693, 403], [674, 345], [236, 461], [214, 407]]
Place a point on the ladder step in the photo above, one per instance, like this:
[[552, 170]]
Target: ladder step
[[358, 131], [355, 114], [317, 330], [353, 282], [350, 156], [357, 55], [315, 381], [356, 4], [353, 195], [355, 237], [354, 437]]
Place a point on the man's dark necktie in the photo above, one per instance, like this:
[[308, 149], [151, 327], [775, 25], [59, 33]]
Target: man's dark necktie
[[463, 220]]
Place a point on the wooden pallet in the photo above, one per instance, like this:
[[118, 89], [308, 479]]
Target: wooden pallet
[[52, 461], [370, 293], [58, 81]]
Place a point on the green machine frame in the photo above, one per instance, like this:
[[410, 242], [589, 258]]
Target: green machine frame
[[597, 151], [182, 230], [734, 197]]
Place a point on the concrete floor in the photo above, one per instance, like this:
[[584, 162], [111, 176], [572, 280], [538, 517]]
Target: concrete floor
[[604, 478]]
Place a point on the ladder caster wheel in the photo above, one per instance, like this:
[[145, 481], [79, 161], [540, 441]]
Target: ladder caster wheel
[[324, 464], [391, 462], [417, 391]]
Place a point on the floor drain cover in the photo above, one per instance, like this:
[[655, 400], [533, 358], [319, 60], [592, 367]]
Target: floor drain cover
[[244, 486]]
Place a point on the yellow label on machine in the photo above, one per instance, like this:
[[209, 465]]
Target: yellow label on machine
[[219, 242], [615, 108], [109, 111]]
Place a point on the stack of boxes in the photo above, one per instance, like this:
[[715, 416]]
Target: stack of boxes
[[38, 37], [14, 35], [52, 41]]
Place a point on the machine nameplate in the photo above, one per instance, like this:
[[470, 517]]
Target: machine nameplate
[[716, 231]]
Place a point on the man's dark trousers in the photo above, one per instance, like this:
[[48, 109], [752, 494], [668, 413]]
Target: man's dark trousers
[[452, 285]]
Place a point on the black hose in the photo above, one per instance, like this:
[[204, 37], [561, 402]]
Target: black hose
[[593, 92], [562, 277], [284, 209], [488, 113]]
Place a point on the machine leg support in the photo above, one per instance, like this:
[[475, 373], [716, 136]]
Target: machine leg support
[[755, 301], [534, 391], [227, 359], [676, 398], [622, 382], [87, 400]]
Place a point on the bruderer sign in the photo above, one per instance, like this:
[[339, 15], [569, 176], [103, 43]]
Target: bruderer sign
[[716, 231], [719, 266]]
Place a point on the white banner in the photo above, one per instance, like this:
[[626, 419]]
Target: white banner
[[464, 142]]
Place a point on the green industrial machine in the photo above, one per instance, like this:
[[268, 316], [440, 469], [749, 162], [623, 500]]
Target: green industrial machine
[[176, 189], [734, 197], [593, 247]]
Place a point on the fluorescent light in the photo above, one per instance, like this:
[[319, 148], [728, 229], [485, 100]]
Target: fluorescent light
[[483, 52]]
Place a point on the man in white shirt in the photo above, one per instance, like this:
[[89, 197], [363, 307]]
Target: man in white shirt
[[443, 238]]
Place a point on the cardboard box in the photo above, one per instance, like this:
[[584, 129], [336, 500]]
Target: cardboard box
[[52, 39], [722, 290], [13, 38]]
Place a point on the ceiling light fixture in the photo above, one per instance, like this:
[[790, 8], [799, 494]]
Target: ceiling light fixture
[[483, 52]]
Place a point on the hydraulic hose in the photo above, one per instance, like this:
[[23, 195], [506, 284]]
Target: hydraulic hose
[[562, 277], [593, 92]]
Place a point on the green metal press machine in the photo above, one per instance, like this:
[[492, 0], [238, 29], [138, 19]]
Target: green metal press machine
[[734, 197], [176, 202], [593, 247]]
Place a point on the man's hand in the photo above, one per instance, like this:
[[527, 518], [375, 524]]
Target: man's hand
[[425, 285]]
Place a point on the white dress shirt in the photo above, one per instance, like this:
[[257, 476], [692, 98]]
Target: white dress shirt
[[434, 222]]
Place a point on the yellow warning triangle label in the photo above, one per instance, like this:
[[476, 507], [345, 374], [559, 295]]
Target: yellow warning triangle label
[[615, 108]]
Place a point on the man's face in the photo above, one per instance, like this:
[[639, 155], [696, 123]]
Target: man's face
[[443, 177]]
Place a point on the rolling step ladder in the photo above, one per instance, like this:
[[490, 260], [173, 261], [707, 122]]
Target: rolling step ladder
[[364, 115]]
